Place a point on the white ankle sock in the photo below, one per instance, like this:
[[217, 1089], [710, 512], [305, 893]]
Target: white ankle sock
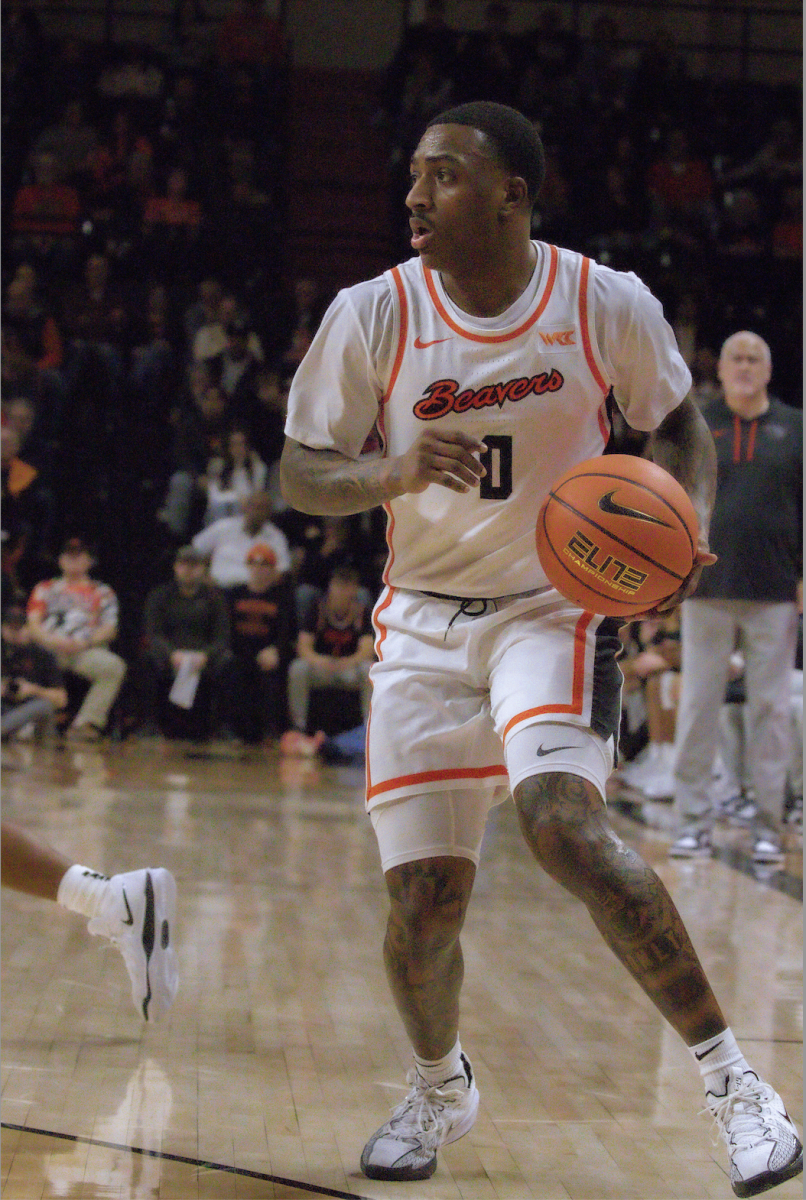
[[438, 1070], [82, 890], [714, 1056]]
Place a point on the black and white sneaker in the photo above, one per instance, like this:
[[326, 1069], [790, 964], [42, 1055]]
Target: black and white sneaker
[[139, 916], [405, 1148], [763, 1144]]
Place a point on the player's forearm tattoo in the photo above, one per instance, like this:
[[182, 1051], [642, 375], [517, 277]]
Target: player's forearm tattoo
[[571, 838], [423, 957], [326, 482]]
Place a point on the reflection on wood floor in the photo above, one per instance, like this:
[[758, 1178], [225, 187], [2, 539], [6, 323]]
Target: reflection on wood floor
[[283, 1051]]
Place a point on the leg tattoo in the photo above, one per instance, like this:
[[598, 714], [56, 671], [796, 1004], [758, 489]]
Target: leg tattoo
[[565, 824], [422, 953]]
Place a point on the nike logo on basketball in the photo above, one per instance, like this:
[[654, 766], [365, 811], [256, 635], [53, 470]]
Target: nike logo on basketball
[[540, 752], [608, 505], [129, 919], [420, 345], [705, 1053]]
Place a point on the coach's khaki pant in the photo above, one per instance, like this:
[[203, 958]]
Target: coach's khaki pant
[[709, 631], [105, 671]]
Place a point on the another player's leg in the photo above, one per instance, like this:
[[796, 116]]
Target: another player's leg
[[136, 911], [564, 821], [423, 957]]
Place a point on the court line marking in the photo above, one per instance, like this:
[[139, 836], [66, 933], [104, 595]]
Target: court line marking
[[191, 1162]]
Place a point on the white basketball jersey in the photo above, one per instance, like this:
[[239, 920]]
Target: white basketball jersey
[[394, 353], [534, 391]]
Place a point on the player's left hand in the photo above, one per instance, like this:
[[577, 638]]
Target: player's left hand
[[703, 558]]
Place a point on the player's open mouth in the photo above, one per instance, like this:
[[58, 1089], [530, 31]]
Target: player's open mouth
[[421, 233]]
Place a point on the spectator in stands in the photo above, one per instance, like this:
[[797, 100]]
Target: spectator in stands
[[264, 633], [237, 369], [652, 671], [76, 618], [42, 388], [24, 305], [232, 477], [33, 690], [211, 339], [201, 312], [228, 541], [186, 642], [335, 647], [681, 189], [172, 225], [71, 142], [45, 221], [202, 421], [27, 517], [334, 547], [304, 314], [787, 232], [95, 314], [115, 161]]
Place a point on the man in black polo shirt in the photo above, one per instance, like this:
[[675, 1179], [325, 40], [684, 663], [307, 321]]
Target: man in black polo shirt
[[753, 593]]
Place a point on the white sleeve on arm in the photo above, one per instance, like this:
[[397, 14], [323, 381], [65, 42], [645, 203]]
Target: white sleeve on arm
[[337, 388], [638, 348]]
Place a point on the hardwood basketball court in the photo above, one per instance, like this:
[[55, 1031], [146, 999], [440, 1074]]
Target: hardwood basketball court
[[283, 1051]]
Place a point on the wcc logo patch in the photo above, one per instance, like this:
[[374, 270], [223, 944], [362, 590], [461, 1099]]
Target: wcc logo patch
[[445, 396], [558, 339]]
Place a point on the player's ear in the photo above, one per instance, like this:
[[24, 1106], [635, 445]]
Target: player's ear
[[515, 194]]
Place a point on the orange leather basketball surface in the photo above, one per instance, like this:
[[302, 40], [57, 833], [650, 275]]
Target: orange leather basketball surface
[[617, 535]]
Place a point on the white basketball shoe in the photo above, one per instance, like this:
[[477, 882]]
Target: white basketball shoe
[[405, 1148], [139, 917]]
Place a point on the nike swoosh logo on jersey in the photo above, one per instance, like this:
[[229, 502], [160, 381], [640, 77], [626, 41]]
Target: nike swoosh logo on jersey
[[420, 345], [540, 752], [608, 505], [705, 1053], [130, 919]]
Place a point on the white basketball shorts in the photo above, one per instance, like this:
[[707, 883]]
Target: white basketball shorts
[[456, 681]]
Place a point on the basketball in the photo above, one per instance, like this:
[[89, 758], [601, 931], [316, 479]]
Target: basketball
[[617, 535]]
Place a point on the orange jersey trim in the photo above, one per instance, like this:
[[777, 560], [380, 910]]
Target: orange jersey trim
[[585, 326], [491, 339], [389, 785], [403, 332], [577, 681]]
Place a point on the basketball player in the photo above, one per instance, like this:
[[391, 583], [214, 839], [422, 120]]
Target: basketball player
[[136, 911], [485, 364]]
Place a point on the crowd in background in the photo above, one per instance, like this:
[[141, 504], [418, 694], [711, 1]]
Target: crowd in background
[[151, 324]]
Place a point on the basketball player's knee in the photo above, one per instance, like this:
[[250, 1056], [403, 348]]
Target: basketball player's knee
[[427, 913], [561, 835]]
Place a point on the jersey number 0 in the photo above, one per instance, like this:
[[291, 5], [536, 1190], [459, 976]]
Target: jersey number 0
[[497, 461]]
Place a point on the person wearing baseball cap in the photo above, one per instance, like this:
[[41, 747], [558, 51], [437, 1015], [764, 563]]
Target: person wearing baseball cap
[[76, 618], [263, 622]]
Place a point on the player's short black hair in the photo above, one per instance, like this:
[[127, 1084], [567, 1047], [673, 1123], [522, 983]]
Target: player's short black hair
[[513, 136]]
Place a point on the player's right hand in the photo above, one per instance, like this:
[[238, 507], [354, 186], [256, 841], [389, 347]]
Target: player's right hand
[[447, 458]]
